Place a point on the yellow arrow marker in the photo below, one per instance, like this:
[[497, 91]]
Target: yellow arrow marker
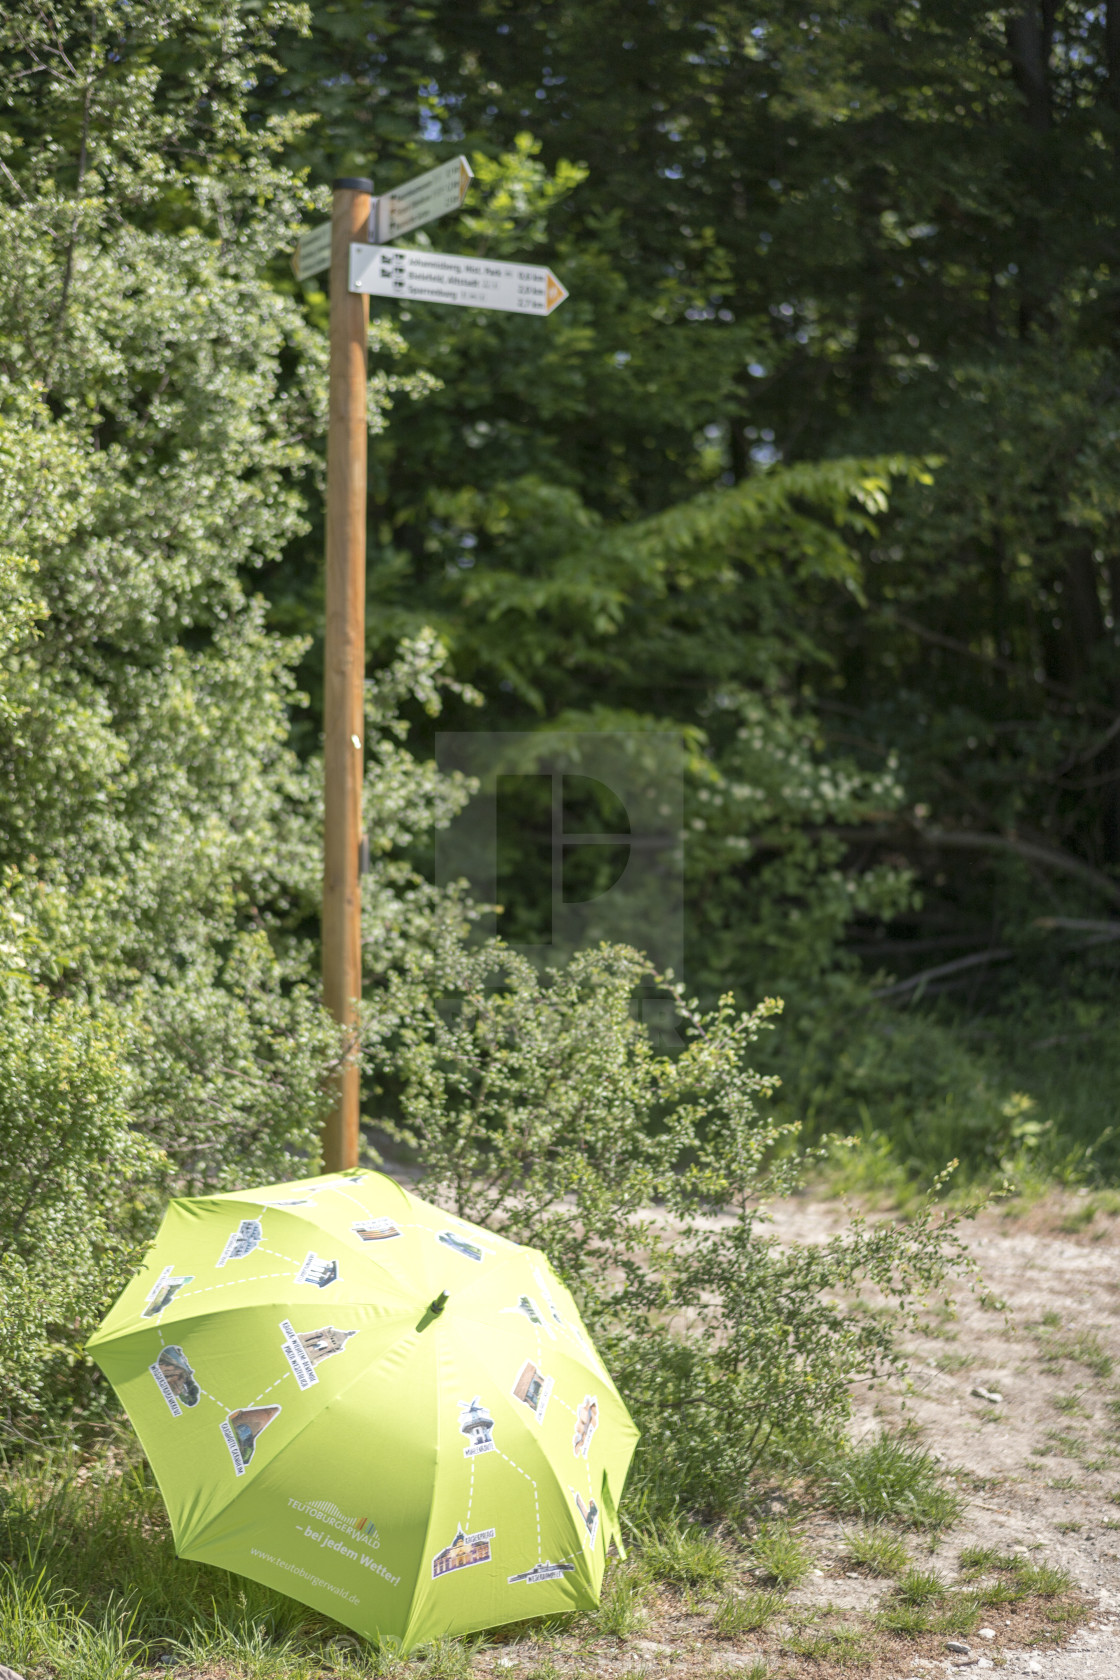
[[554, 293]]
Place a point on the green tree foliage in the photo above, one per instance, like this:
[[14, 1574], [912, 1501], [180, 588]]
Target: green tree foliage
[[161, 407], [155, 403], [73, 1168], [160, 411], [796, 237]]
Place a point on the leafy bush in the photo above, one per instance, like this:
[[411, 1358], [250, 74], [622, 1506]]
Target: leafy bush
[[159, 834], [539, 1105], [72, 1170], [162, 833]]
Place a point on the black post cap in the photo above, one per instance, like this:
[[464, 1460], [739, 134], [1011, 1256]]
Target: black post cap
[[356, 183]]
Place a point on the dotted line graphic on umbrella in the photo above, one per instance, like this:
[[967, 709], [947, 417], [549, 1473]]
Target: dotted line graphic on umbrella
[[470, 1497], [224, 1409], [536, 1498], [574, 1414], [283, 1377], [233, 1283]]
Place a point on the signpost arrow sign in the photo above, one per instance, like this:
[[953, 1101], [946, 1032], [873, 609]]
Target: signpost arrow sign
[[421, 200], [436, 277], [313, 253]]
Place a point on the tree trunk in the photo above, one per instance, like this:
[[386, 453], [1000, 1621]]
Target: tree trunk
[[1112, 52], [1029, 40]]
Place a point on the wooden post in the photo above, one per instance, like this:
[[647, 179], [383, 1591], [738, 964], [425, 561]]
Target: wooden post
[[344, 658]]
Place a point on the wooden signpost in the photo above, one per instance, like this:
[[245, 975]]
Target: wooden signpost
[[360, 265], [344, 664]]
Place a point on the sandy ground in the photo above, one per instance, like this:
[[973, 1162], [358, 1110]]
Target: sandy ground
[[1040, 1463]]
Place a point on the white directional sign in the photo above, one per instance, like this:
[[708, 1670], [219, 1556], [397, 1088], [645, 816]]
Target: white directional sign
[[421, 200], [313, 253], [435, 277]]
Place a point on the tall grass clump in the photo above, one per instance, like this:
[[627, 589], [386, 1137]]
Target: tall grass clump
[[683, 1555], [889, 1481]]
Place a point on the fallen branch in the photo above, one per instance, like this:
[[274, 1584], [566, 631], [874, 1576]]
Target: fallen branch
[[1079, 924], [975, 840], [993, 661], [978, 959], [965, 840]]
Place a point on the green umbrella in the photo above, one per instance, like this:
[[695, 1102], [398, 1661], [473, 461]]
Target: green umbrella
[[371, 1405]]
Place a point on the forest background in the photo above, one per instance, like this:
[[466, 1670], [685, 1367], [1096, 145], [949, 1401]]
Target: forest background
[[793, 240], [817, 467]]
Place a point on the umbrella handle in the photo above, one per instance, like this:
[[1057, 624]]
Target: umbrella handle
[[434, 1309]]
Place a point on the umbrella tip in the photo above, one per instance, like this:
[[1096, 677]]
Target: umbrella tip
[[439, 1303]]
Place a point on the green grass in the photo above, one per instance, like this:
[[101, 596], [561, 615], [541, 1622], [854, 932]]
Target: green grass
[[1070, 1404], [44, 1626], [951, 1614], [445, 1659], [1078, 1218], [1023, 1579], [781, 1552], [919, 1586], [684, 1556], [984, 1560], [921, 1604], [1070, 1446], [842, 1646], [1041, 1580], [547, 1669], [878, 1550], [955, 1361], [746, 1612], [1000, 1592], [1082, 1347], [98, 1551], [1060, 1614], [91, 1589], [622, 1606], [888, 1481]]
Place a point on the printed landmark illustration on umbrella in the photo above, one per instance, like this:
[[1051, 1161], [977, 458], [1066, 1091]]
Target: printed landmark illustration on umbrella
[[372, 1406]]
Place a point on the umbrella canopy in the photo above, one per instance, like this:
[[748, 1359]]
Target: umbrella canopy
[[372, 1406]]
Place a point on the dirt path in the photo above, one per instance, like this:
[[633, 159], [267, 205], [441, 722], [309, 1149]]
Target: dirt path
[[1041, 1463]]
